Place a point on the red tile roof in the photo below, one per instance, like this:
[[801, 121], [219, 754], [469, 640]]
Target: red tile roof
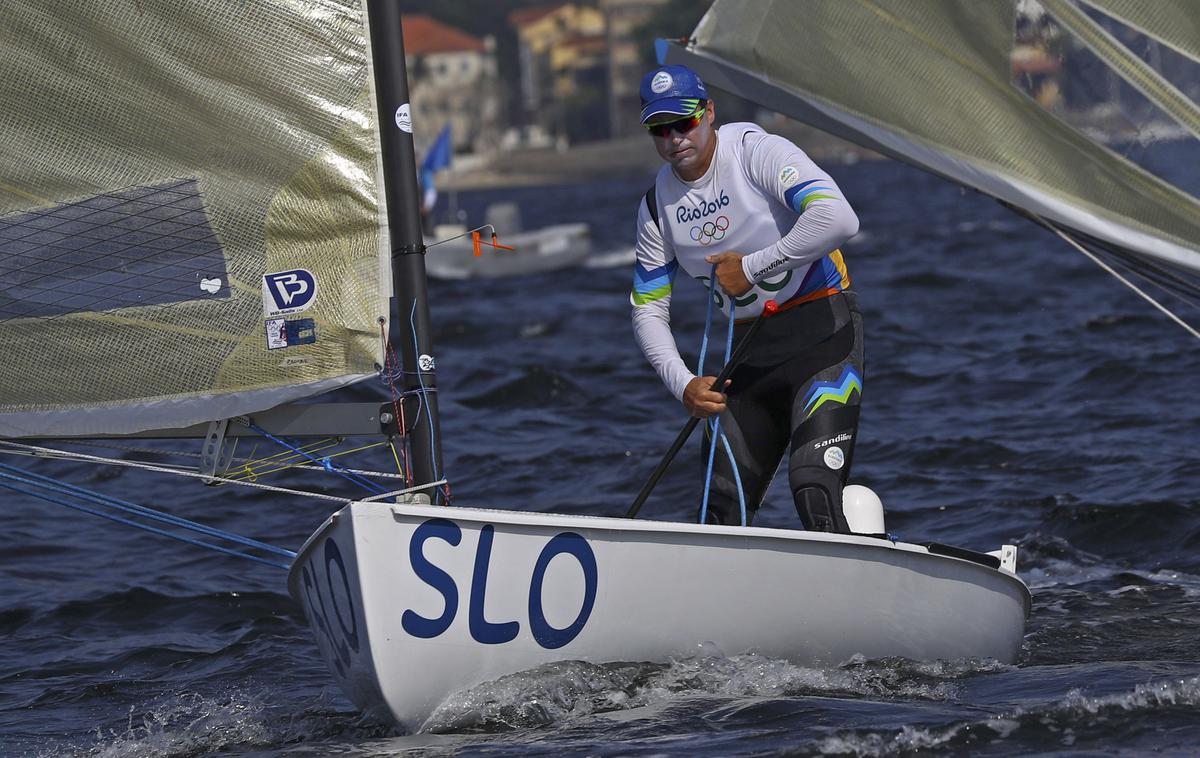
[[526, 16], [424, 35]]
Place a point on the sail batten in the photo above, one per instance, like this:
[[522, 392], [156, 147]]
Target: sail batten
[[938, 84]]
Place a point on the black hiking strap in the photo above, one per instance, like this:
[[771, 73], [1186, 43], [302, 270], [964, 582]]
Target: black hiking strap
[[652, 205], [984, 559]]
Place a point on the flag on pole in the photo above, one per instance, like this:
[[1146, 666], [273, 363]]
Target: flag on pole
[[437, 157]]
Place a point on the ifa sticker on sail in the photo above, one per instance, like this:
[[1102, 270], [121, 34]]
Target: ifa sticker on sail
[[288, 292]]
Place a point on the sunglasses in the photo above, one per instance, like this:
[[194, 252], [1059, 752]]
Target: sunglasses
[[682, 126]]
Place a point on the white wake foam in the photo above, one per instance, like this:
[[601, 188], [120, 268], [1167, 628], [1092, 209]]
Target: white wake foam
[[568, 689]]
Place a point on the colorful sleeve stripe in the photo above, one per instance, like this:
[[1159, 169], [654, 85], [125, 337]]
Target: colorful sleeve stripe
[[802, 195], [652, 284]]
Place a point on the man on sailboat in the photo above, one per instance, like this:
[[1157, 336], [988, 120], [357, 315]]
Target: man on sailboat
[[770, 220]]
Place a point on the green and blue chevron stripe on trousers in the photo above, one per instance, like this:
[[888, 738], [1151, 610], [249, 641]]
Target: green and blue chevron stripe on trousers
[[797, 392]]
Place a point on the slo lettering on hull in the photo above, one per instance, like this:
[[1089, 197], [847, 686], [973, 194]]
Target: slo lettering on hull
[[331, 606], [492, 632]]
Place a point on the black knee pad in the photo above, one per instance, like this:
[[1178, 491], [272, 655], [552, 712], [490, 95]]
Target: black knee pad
[[822, 449], [819, 508]]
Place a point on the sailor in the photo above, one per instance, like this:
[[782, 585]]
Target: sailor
[[771, 220]]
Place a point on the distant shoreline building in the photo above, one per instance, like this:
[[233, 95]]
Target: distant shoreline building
[[560, 52], [625, 67], [453, 80], [579, 68]]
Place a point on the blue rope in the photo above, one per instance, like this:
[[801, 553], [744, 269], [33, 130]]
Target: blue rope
[[737, 476], [63, 488], [714, 424], [412, 323], [708, 318], [712, 429], [29, 477], [324, 463]]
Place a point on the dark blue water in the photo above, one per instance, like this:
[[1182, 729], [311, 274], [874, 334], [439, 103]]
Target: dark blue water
[[1015, 393]]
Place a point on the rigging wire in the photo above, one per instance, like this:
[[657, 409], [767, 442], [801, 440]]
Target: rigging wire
[[291, 462], [412, 323], [1165, 280], [325, 463], [1096, 259], [1169, 282], [11, 476], [239, 461], [406, 491], [393, 370], [17, 448], [282, 460], [391, 443]]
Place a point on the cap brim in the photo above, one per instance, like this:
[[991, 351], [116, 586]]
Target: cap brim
[[675, 106]]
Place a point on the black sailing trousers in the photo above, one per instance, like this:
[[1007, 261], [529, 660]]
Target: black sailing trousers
[[797, 391]]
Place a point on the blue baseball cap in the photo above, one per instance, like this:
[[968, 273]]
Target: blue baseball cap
[[671, 89]]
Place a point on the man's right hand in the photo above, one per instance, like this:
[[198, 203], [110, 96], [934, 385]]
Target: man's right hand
[[701, 400]]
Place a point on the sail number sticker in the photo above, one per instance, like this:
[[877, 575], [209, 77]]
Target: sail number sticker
[[288, 291], [569, 545]]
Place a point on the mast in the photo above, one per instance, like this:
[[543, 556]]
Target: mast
[[410, 333]]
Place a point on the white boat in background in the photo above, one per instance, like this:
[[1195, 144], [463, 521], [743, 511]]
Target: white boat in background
[[549, 248], [411, 604]]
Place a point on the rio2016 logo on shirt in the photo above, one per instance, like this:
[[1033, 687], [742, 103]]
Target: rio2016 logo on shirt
[[684, 214], [288, 291], [710, 231]]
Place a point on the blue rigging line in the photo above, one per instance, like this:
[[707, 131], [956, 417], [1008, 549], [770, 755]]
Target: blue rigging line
[[62, 488], [714, 424], [737, 476], [324, 463], [712, 446], [412, 323]]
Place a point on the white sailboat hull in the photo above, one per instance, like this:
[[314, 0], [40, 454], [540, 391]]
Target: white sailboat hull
[[410, 604]]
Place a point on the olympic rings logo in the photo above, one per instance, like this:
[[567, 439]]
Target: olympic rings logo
[[710, 231]]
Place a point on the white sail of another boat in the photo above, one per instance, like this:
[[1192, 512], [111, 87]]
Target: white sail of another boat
[[1054, 107]]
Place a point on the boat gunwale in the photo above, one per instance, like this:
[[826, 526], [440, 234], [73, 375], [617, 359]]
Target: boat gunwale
[[644, 526]]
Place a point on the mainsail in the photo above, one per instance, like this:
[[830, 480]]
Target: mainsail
[[993, 95], [190, 217]]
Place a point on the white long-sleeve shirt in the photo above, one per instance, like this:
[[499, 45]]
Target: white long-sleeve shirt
[[762, 197]]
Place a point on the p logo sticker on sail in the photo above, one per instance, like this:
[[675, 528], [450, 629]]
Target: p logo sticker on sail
[[288, 291]]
